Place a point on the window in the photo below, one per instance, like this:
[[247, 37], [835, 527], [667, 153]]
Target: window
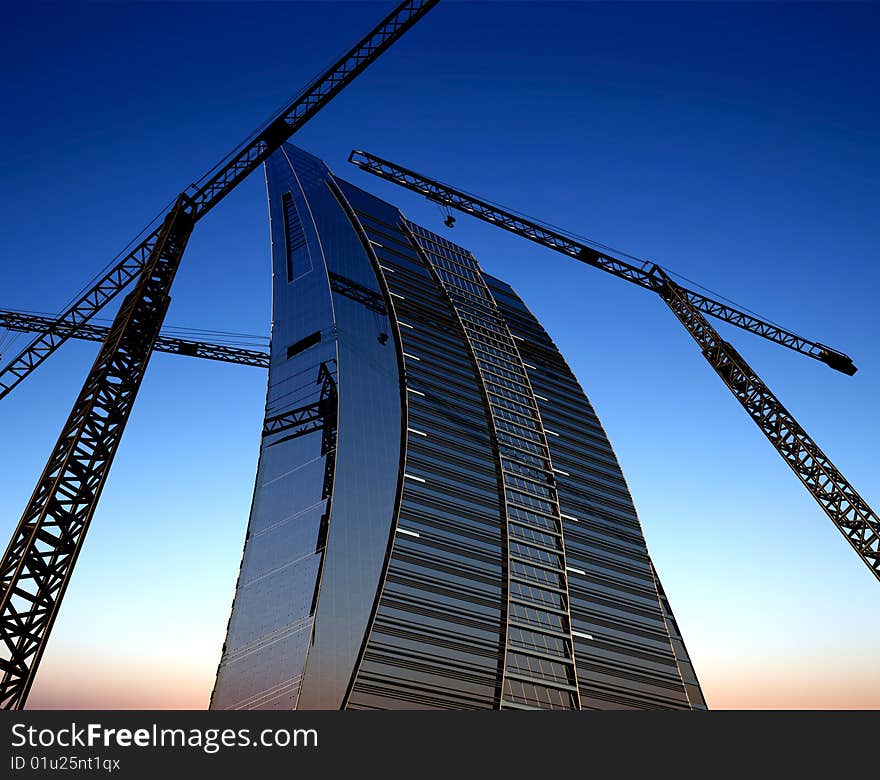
[[296, 250], [303, 344]]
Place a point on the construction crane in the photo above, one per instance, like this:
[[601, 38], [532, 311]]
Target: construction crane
[[38, 563], [848, 511], [25, 322], [200, 197]]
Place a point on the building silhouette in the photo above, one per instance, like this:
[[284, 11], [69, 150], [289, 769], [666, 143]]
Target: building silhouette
[[439, 520]]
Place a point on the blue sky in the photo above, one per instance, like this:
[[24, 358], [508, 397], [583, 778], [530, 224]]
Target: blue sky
[[735, 143]]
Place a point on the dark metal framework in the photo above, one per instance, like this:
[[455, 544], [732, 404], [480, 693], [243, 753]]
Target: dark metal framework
[[848, 511], [844, 506], [221, 180], [317, 416], [37, 565], [646, 276], [357, 292], [322, 415], [79, 312], [28, 323]]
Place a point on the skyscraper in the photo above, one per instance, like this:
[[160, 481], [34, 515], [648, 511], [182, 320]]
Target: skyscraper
[[439, 520]]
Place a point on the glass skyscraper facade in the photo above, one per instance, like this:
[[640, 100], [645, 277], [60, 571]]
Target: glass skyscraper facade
[[439, 521]]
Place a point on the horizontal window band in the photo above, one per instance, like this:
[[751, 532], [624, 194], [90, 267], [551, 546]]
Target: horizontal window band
[[553, 652], [560, 471], [638, 574], [474, 444], [483, 569], [504, 389], [623, 627], [601, 506], [536, 560], [501, 402], [526, 422], [603, 542], [491, 340], [476, 579], [569, 517], [578, 424], [537, 564], [584, 539], [521, 492], [533, 473], [530, 432], [403, 587], [533, 521], [456, 534], [595, 537], [598, 481], [529, 487], [526, 458], [537, 583], [536, 629], [574, 570], [526, 525], [496, 390], [518, 379], [528, 446], [583, 601], [391, 235], [456, 551], [548, 683], [517, 502], [527, 501], [498, 372], [506, 359], [577, 458], [529, 650], [581, 635], [539, 606], [515, 705]]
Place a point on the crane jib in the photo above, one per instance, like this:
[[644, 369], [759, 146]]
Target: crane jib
[[650, 276]]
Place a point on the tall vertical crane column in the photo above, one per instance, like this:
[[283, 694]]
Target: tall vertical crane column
[[848, 511]]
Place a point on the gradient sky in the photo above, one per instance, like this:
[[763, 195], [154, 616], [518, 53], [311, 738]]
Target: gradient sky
[[734, 143]]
